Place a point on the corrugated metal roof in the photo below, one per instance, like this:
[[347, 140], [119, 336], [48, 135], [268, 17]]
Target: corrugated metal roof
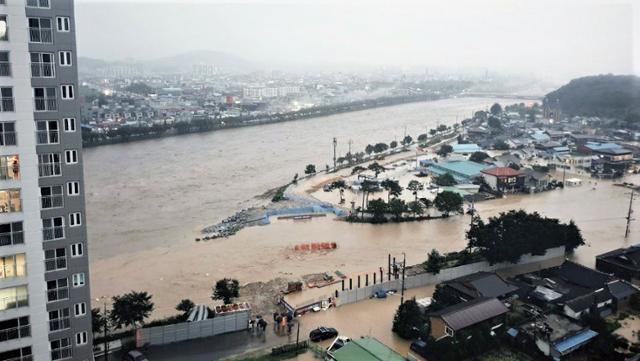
[[366, 349], [574, 341], [470, 313]]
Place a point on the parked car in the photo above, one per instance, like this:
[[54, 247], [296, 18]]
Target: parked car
[[419, 347], [134, 356], [322, 333]]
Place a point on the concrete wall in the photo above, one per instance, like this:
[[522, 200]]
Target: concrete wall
[[528, 263], [160, 335]]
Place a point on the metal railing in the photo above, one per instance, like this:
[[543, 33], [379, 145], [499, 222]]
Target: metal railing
[[57, 294], [40, 35], [59, 324], [51, 233], [62, 353], [10, 238], [5, 68], [48, 136], [7, 138], [43, 70], [38, 3], [15, 332], [9, 172], [57, 263], [7, 104], [46, 104], [54, 201], [13, 302], [50, 169], [21, 358]]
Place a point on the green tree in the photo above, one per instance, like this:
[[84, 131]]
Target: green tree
[[445, 180], [357, 169], [185, 306], [500, 145], [495, 124], [416, 208], [444, 150], [130, 309], [393, 144], [496, 109], [407, 140], [414, 186], [376, 168], [392, 187], [367, 187], [380, 147], [226, 290], [397, 207], [98, 321], [448, 202], [435, 262], [409, 322], [368, 149], [478, 156], [422, 137], [310, 169], [377, 208]]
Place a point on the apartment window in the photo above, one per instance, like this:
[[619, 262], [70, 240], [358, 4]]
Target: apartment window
[[43, 65], [13, 297], [7, 133], [53, 228], [65, 58], [75, 219], [77, 250], [45, 99], [12, 266], [73, 188], [15, 328], [47, 132], [4, 35], [7, 103], [55, 259], [49, 164], [71, 156], [61, 349], [69, 124], [38, 4], [51, 197], [80, 309], [59, 319], [19, 354], [40, 30], [66, 91], [81, 338], [64, 24], [11, 233], [9, 167], [57, 290], [78, 279], [5, 64], [10, 201]]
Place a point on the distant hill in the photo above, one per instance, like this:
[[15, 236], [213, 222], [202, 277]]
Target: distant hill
[[602, 95]]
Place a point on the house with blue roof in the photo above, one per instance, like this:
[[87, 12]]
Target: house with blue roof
[[463, 171], [466, 149]]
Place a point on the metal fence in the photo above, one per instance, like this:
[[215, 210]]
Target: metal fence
[[161, 335]]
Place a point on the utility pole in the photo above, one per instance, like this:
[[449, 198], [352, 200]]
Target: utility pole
[[298, 338], [626, 232], [335, 144], [404, 264], [105, 328], [350, 142]]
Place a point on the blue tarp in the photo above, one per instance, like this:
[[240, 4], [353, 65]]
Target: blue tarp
[[512, 332], [574, 341]]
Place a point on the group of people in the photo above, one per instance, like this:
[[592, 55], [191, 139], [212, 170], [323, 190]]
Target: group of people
[[282, 323], [258, 325]]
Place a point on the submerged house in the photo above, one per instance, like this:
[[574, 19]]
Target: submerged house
[[485, 311], [478, 285], [463, 171], [503, 179], [622, 262]]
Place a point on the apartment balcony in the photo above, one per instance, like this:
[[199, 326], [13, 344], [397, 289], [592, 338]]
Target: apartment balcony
[[43, 70], [54, 264], [38, 3], [58, 294], [21, 358], [8, 138], [40, 35], [59, 324], [46, 104], [53, 233], [10, 171], [47, 137], [11, 302], [54, 201], [5, 68], [50, 169], [7, 104], [10, 238], [15, 333], [62, 353]]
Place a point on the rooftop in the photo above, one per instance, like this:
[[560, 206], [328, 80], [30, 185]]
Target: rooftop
[[482, 284], [366, 349], [502, 172], [466, 148], [459, 168], [627, 257], [470, 313]]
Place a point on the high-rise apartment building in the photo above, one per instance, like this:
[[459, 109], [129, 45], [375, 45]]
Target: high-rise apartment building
[[44, 276]]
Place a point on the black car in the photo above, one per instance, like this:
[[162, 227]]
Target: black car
[[419, 347], [322, 333]]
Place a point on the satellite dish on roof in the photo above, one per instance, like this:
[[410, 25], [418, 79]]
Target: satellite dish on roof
[[3, 28]]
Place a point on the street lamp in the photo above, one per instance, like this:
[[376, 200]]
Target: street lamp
[[105, 326]]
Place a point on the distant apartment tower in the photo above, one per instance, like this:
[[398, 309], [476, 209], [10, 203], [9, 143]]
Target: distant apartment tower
[[44, 275]]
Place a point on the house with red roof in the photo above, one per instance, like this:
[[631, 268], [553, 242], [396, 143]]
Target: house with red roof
[[503, 179]]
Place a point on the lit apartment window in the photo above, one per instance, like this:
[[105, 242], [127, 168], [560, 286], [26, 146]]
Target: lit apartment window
[[69, 124], [19, 354], [49, 164], [55, 259], [10, 201], [38, 4], [78, 279], [71, 156], [81, 338], [75, 219], [5, 64], [80, 309], [47, 132], [64, 58], [53, 228], [64, 24], [43, 65], [77, 250], [57, 290], [66, 91], [59, 319], [7, 102], [51, 197], [13, 297], [45, 99], [9, 167], [15, 328], [40, 30], [73, 188], [12, 266], [61, 349], [4, 28], [11, 233]]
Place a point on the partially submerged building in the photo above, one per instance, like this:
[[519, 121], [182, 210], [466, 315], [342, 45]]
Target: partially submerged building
[[481, 311], [622, 262], [478, 285], [463, 171], [366, 349], [503, 179]]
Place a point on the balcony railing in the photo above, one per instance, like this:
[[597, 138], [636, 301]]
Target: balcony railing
[[57, 263], [62, 353], [38, 3], [46, 104], [21, 358], [50, 169], [5, 68], [55, 201], [15, 332], [58, 294], [48, 136], [59, 324], [10, 238], [8, 138], [7, 104], [39, 35], [43, 70], [13, 302], [9, 172], [52, 233]]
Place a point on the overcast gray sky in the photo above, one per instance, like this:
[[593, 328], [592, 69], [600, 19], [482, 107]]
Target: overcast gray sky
[[554, 38]]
